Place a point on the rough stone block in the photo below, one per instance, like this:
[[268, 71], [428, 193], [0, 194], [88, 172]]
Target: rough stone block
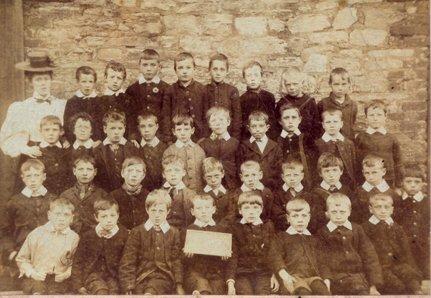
[[308, 23], [382, 18], [195, 44], [218, 24], [110, 54], [325, 5], [392, 52], [251, 26], [182, 24], [345, 18], [372, 37], [329, 37], [383, 63], [162, 5], [276, 25], [316, 63]]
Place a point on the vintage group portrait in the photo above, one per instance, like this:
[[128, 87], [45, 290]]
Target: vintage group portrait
[[190, 147]]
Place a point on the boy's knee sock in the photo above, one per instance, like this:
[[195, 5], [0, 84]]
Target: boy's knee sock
[[318, 287], [302, 291]]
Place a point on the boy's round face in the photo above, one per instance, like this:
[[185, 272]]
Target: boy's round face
[[157, 213], [108, 218], [290, 120], [253, 77], [251, 212], [331, 175], [293, 84], [149, 68], [114, 131], [114, 79], [61, 217], [41, 84], [203, 210], [299, 219], [86, 83], [382, 209], [251, 177], [376, 118], [82, 130], [412, 185], [258, 128], [185, 70], [33, 178], [133, 174], [183, 132], [174, 174], [148, 128], [293, 177], [219, 123], [332, 124], [218, 71], [374, 175], [51, 133], [340, 85], [338, 213], [84, 172], [214, 178]]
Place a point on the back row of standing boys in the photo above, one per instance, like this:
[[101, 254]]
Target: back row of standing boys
[[258, 169]]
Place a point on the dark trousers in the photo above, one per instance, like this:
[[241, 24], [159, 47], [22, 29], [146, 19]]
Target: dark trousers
[[316, 287], [253, 284], [156, 283], [102, 284], [206, 284], [400, 280], [350, 284], [46, 287]]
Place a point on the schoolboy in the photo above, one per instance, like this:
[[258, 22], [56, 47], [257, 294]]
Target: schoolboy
[[97, 258], [148, 91], [131, 195], [188, 151], [113, 151], [81, 101], [291, 88], [349, 254], [205, 274], [249, 270], [54, 155], [82, 129], [295, 143], [262, 149], [376, 140], [400, 274], [335, 142], [213, 172], [185, 96], [339, 99], [412, 212], [256, 99], [113, 98], [84, 193], [26, 210], [45, 258], [221, 94], [373, 169], [151, 262], [151, 149], [330, 169], [292, 188], [173, 173], [299, 264], [221, 145]]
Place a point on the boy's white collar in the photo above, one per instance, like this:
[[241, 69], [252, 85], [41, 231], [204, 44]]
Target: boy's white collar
[[45, 144], [153, 143], [221, 189], [256, 223], [297, 188], [291, 231], [37, 96], [81, 95], [259, 186], [180, 144], [326, 186], [202, 224], [122, 141], [374, 220], [164, 226], [331, 226], [327, 138], [418, 197], [382, 186], [111, 233], [284, 133], [264, 140], [29, 193], [225, 136], [179, 186], [50, 227], [371, 130], [87, 144], [109, 92], [155, 79]]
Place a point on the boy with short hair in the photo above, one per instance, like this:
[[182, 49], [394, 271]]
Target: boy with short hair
[[81, 101], [205, 275], [45, 258], [249, 270], [339, 99], [256, 99], [185, 96], [262, 149], [131, 195], [84, 193], [376, 140], [97, 258], [353, 264], [113, 151], [299, 265], [221, 145], [81, 126], [334, 142], [412, 212], [188, 151], [151, 149], [221, 94], [151, 262], [400, 274], [173, 173]]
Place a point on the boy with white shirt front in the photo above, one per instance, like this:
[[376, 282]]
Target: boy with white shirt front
[[81, 125]]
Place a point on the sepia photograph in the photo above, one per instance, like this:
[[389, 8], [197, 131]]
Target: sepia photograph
[[214, 147]]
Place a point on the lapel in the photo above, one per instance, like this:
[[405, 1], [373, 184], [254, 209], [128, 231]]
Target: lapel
[[104, 149], [269, 147], [346, 158], [253, 147]]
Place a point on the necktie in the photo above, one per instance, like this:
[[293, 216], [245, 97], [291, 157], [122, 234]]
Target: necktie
[[332, 188]]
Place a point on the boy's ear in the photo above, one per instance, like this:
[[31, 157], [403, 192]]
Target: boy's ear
[[44, 176], [104, 128], [384, 171], [193, 130], [95, 217], [192, 211], [370, 208], [327, 214]]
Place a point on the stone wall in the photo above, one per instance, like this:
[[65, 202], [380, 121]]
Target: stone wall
[[383, 44]]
